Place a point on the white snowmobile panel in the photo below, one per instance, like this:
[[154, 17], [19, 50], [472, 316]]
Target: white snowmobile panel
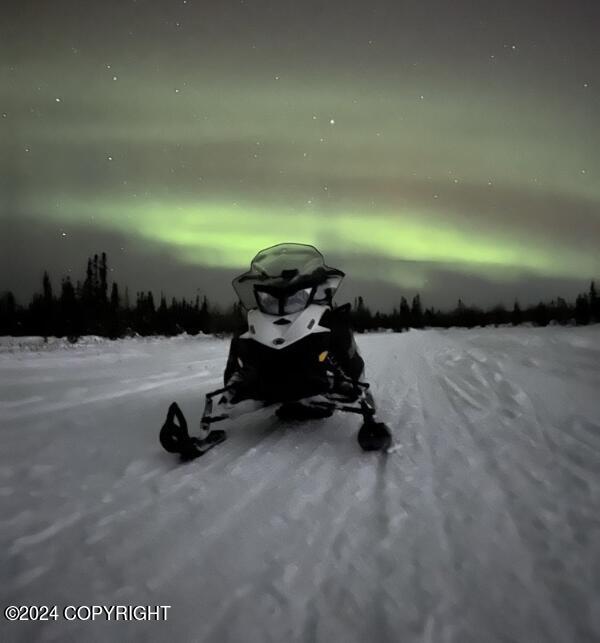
[[278, 332]]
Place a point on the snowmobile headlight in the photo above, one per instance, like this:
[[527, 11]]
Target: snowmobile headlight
[[297, 301], [323, 356], [268, 304], [280, 304]]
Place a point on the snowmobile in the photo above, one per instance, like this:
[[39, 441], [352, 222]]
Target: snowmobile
[[298, 352]]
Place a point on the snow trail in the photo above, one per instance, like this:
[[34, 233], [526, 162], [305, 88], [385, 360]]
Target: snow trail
[[481, 524]]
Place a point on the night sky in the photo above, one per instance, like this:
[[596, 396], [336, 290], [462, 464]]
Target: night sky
[[449, 147]]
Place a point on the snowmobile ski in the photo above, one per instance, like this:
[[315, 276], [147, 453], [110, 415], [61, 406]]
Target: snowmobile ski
[[197, 447], [174, 436]]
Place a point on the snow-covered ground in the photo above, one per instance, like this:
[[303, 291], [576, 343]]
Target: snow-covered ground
[[481, 524]]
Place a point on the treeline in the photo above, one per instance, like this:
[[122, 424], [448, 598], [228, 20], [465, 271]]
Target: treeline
[[585, 310], [90, 307]]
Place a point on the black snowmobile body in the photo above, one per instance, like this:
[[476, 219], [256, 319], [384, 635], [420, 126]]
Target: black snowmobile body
[[301, 370]]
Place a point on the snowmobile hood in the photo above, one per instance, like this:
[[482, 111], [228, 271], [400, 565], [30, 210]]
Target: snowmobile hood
[[288, 267]]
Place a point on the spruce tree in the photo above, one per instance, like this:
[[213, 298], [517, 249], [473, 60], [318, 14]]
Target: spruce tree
[[594, 303], [516, 317], [115, 299], [95, 278], [405, 317], [8, 314], [46, 309], [103, 285], [416, 312], [69, 319], [582, 310]]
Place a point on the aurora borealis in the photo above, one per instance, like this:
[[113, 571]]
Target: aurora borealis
[[450, 148]]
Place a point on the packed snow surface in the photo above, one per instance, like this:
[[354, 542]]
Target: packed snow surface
[[481, 523]]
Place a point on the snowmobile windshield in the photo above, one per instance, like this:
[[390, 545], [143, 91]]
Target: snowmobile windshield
[[285, 272], [274, 303]]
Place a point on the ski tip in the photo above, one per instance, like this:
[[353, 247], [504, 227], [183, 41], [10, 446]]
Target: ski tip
[[374, 436]]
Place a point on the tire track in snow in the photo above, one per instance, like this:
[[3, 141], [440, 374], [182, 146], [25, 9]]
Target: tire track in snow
[[511, 489]]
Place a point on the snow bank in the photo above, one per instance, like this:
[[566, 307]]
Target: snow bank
[[10, 344]]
